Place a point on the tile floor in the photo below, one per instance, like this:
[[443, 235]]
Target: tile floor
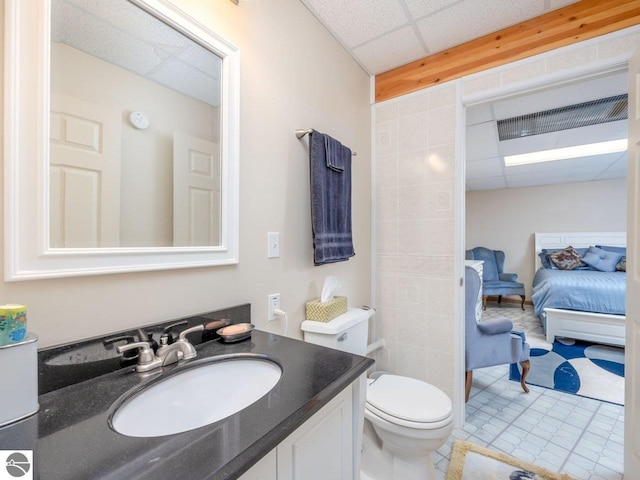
[[561, 432]]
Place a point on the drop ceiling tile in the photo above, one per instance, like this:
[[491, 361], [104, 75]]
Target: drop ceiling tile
[[487, 168], [390, 50], [617, 169], [479, 17], [101, 39], [494, 183], [554, 4], [561, 175], [202, 59], [481, 141], [189, 81], [358, 21], [129, 18], [420, 8], [546, 178], [479, 114]]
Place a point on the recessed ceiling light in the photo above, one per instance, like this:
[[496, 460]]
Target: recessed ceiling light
[[566, 153]]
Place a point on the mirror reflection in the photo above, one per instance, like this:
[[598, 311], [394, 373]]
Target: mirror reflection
[[135, 151]]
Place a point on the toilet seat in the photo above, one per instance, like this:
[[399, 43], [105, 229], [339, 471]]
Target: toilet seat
[[409, 402]]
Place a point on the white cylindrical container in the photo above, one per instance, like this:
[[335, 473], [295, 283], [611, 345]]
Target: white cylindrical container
[[19, 365]]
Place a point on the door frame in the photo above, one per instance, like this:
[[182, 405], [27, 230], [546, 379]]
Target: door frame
[[465, 101]]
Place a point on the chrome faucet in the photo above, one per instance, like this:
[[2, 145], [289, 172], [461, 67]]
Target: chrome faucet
[[178, 350], [147, 360], [166, 354]]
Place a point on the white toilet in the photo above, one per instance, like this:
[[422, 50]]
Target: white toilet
[[405, 419]]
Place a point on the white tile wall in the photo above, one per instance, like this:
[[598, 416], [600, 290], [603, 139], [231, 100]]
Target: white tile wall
[[618, 46], [417, 269], [572, 59]]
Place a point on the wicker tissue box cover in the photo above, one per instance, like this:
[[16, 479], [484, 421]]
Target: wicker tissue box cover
[[327, 311]]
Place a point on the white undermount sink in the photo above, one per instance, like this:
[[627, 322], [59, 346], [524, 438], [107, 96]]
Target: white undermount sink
[[196, 396]]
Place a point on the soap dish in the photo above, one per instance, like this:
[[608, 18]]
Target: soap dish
[[235, 333]]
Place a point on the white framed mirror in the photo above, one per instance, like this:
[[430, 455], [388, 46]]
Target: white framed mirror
[[121, 139]]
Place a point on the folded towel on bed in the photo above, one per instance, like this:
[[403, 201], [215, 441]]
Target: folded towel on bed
[[330, 168]]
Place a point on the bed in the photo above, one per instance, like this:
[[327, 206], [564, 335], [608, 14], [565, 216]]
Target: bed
[[580, 304]]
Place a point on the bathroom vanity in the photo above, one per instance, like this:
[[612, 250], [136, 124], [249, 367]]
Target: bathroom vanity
[[307, 426]]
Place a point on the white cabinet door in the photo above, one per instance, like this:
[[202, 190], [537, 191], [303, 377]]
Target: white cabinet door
[[321, 448], [265, 469]]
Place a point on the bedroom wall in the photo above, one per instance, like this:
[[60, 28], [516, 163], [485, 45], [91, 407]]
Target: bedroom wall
[[294, 74], [507, 219]]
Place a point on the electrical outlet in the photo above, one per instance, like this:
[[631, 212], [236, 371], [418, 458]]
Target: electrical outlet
[[274, 304]]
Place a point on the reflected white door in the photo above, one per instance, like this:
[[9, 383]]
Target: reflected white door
[[196, 191], [84, 174], [632, 352]]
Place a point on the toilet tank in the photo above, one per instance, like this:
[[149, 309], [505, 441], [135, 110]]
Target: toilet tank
[[348, 332]]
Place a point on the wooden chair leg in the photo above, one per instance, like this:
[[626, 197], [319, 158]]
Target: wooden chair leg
[[522, 304], [484, 302], [526, 366], [468, 379]]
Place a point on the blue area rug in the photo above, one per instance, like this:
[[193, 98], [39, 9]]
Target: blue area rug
[[586, 369]]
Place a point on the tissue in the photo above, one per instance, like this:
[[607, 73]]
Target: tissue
[[328, 306], [330, 288]]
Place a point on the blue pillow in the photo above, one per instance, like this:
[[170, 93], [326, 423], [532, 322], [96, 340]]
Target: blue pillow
[[544, 260], [601, 259], [621, 250]]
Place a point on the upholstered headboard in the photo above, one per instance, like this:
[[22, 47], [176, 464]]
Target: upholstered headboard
[[558, 240]]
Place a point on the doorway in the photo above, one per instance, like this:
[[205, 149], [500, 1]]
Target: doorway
[[504, 207]]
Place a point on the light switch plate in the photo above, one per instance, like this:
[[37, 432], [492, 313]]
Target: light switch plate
[[273, 239]]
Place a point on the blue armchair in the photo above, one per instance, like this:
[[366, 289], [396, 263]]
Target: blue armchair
[[489, 342], [494, 281]]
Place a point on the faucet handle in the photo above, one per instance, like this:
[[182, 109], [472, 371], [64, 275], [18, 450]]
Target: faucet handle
[[184, 333], [177, 324], [146, 354], [168, 330]]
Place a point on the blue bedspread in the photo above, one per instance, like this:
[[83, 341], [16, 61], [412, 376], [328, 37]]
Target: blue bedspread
[[584, 290]]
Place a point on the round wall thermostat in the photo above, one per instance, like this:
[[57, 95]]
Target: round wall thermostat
[[139, 120]]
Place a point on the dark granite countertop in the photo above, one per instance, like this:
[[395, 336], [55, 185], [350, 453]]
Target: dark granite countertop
[[71, 437]]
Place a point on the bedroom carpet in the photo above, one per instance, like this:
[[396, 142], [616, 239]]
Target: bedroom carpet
[[584, 368]]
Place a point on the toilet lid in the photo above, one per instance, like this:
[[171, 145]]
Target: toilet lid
[[408, 399]]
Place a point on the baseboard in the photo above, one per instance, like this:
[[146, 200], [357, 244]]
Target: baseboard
[[494, 298]]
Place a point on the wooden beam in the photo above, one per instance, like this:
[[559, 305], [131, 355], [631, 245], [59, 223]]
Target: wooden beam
[[565, 26]]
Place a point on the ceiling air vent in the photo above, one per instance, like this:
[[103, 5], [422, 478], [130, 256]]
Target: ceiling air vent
[[604, 110]]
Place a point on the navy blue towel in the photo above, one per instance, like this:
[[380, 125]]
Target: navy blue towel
[[330, 167]]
